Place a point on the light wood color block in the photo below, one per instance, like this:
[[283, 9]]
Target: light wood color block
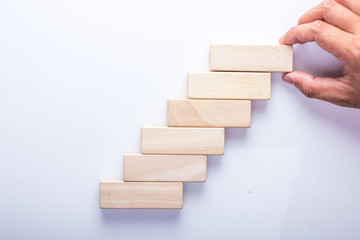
[[175, 140], [209, 113], [119, 194], [252, 58], [178, 168], [229, 85]]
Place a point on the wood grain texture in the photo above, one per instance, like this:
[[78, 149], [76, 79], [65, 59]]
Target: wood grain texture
[[229, 85], [119, 194], [175, 140], [252, 58], [209, 113], [178, 168]]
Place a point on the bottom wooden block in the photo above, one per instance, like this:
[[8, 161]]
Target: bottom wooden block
[[119, 194]]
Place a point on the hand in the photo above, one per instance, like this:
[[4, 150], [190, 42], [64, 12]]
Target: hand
[[335, 27]]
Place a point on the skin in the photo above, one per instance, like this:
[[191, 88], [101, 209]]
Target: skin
[[335, 26]]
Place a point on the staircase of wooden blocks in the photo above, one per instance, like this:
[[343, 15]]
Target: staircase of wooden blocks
[[178, 153]]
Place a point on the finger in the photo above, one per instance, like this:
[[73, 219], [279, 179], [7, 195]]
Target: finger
[[352, 5], [335, 14], [328, 37], [327, 89]]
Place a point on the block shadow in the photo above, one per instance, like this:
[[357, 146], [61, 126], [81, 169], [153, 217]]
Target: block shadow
[[140, 215], [312, 59], [190, 188]]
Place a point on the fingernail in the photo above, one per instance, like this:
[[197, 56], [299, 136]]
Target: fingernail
[[281, 40], [287, 79]]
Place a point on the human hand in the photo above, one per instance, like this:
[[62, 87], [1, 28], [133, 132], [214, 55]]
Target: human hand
[[335, 26]]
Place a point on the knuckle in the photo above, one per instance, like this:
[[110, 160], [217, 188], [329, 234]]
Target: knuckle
[[309, 91], [351, 96], [328, 4], [319, 26], [355, 48], [347, 100]]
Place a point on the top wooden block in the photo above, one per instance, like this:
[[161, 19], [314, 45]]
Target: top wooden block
[[253, 58]]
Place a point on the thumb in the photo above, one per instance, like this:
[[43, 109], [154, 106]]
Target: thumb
[[327, 89]]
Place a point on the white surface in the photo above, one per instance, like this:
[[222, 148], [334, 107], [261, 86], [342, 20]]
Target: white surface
[[79, 78]]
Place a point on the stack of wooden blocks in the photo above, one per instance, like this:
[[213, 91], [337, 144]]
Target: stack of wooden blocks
[[178, 153]]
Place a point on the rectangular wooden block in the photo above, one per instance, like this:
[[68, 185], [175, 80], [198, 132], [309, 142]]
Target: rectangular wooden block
[[229, 85], [175, 140], [209, 113], [119, 194], [178, 168], [252, 58]]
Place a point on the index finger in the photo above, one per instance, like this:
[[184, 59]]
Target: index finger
[[328, 37]]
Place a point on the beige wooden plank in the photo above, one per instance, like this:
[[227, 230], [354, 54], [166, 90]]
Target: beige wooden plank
[[178, 168], [252, 58], [209, 113], [229, 85], [119, 194], [175, 140]]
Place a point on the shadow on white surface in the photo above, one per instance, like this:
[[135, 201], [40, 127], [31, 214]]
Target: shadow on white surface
[[140, 215], [312, 59], [191, 190], [322, 201]]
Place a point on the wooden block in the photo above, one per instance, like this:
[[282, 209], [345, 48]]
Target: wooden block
[[252, 58], [229, 85], [178, 168], [174, 140], [209, 113], [119, 194]]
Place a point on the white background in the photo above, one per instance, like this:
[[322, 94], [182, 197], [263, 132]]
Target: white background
[[78, 79]]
